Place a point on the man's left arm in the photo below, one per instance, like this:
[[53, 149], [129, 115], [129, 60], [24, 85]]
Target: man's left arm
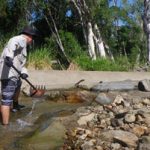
[[24, 73]]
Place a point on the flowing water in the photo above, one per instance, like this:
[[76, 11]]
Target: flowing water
[[35, 127]]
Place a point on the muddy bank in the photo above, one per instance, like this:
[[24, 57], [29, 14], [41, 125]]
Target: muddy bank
[[54, 79]]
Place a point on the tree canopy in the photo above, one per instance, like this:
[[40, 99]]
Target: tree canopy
[[97, 29]]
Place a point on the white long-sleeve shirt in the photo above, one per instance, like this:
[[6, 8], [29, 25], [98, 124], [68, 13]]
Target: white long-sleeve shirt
[[16, 49]]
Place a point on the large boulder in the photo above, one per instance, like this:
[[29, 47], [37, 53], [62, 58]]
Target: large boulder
[[125, 85]]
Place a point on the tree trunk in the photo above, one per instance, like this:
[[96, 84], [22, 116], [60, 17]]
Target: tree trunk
[[147, 25], [81, 19], [99, 42], [54, 31], [91, 32], [148, 45], [58, 39], [91, 45]]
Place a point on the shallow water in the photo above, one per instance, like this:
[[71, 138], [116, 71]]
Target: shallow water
[[35, 127]]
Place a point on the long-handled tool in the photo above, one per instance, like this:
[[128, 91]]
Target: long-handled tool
[[34, 91]]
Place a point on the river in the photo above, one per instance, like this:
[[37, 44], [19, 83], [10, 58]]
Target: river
[[38, 126]]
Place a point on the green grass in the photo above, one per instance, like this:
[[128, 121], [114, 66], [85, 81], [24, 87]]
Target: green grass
[[102, 64], [39, 59]]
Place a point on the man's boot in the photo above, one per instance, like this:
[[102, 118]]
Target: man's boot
[[17, 107]]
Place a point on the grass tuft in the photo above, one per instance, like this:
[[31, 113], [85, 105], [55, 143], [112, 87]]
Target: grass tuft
[[39, 59]]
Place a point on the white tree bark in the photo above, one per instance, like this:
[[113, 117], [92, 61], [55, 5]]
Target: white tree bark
[[148, 44], [91, 45], [147, 25], [91, 33], [99, 42]]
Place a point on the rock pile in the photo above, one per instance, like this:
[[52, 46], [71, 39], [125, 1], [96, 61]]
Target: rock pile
[[122, 125]]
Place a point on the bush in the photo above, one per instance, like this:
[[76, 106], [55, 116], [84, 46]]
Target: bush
[[3, 41], [70, 44], [39, 58], [102, 64]]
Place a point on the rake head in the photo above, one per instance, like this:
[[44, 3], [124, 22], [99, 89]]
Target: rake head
[[37, 91]]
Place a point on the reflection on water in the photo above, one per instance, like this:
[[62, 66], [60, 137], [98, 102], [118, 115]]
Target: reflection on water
[[23, 124], [36, 123]]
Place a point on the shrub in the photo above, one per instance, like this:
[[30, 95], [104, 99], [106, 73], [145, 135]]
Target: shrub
[[39, 58], [70, 44], [102, 64]]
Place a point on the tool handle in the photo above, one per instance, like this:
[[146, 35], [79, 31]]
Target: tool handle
[[25, 78]]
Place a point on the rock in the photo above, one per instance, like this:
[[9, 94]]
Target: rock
[[146, 101], [91, 124], [139, 130], [83, 111], [129, 118], [98, 148], [143, 146], [98, 108], [138, 106], [84, 119], [121, 137], [144, 85], [87, 145], [121, 127], [115, 146], [114, 122], [147, 120], [54, 94], [145, 139], [82, 137], [118, 100], [104, 99], [80, 131], [121, 114], [139, 118], [126, 104], [116, 85]]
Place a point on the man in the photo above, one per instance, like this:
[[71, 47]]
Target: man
[[14, 53]]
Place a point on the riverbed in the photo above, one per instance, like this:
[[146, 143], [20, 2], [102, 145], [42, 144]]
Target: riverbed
[[73, 119], [39, 125]]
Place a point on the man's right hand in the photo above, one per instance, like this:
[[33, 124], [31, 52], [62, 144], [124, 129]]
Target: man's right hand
[[9, 61]]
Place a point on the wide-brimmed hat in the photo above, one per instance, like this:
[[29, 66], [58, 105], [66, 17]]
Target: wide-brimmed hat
[[29, 31]]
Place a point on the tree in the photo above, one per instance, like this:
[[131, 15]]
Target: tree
[[90, 28], [101, 27], [49, 12], [146, 18]]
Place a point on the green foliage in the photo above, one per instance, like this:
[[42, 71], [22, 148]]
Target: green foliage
[[39, 58], [125, 40], [70, 43], [4, 39], [130, 42], [2, 44], [50, 43], [87, 64], [11, 14], [133, 55]]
